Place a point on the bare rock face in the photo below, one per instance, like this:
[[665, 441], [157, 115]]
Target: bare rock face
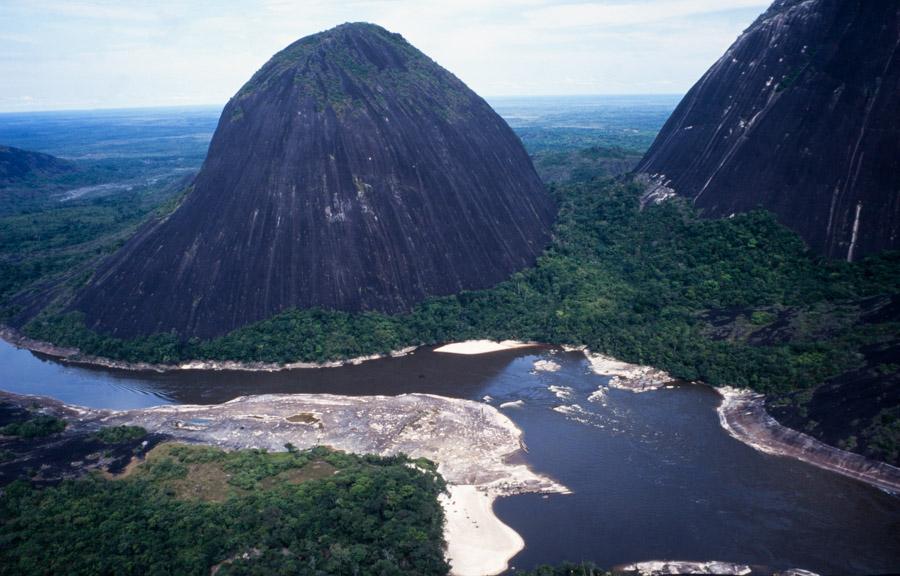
[[351, 172], [801, 116]]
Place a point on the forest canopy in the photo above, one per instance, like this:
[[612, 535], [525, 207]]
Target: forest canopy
[[192, 509]]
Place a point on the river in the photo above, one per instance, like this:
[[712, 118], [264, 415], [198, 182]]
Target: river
[[653, 475]]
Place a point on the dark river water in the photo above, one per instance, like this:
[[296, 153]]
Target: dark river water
[[653, 475]]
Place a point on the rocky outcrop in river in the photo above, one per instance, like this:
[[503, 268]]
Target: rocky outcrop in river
[[742, 414]]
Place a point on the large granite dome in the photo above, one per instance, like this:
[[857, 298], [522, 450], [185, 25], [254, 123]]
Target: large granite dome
[[351, 172], [801, 116]]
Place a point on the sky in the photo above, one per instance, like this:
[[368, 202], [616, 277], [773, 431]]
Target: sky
[[79, 54]]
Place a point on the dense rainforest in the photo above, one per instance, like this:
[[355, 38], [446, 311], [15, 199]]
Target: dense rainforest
[[189, 508], [737, 301]]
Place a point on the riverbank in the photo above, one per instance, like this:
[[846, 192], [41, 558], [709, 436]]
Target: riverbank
[[74, 357], [478, 543], [756, 428], [743, 415], [635, 450]]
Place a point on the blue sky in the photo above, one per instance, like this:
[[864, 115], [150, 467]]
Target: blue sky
[[57, 54]]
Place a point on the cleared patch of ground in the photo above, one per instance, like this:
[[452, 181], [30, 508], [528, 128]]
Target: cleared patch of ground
[[316, 470], [210, 475]]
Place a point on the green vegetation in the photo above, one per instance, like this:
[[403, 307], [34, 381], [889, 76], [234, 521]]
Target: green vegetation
[[736, 301], [564, 166], [41, 191], [313, 512], [762, 318], [630, 283], [35, 426], [883, 435], [119, 434], [337, 77], [59, 244], [544, 139]]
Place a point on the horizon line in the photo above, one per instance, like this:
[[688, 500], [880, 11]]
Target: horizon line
[[222, 105]]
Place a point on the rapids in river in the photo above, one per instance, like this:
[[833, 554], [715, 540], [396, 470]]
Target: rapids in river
[[653, 475]]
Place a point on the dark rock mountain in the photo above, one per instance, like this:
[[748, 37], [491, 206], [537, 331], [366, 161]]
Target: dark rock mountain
[[19, 166], [801, 116], [351, 172]]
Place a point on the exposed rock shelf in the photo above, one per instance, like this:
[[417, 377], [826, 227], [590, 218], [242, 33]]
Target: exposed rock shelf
[[471, 442], [742, 414], [626, 376]]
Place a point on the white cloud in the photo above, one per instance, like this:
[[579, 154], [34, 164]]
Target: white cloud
[[105, 11], [630, 13], [109, 54]]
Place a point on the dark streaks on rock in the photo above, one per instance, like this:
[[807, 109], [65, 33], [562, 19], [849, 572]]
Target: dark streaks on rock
[[801, 116], [351, 172]]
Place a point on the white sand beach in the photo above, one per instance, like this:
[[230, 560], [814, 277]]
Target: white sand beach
[[478, 543], [482, 346]]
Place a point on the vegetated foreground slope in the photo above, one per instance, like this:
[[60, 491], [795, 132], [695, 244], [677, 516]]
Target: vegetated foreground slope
[[351, 172], [200, 510], [801, 116]]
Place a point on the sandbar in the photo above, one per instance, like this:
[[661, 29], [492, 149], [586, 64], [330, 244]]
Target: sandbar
[[471, 347]]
